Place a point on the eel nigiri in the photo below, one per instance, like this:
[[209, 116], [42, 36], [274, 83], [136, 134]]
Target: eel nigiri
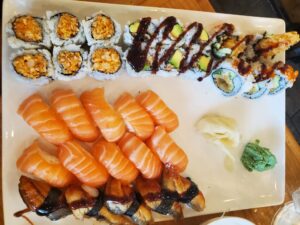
[[44, 166], [70, 109], [118, 166], [44, 120], [108, 120], [157, 108], [167, 150], [141, 156], [82, 164], [136, 118]]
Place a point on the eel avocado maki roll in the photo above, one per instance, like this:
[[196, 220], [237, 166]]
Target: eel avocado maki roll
[[26, 31], [227, 81], [105, 62], [33, 66], [65, 28], [69, 62], [101, 29], [131, 30]]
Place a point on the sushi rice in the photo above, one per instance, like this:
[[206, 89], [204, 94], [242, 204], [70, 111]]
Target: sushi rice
[[111, 39], [40, 79], [39, 31], [80, 73], [53, 19], [106, 60]]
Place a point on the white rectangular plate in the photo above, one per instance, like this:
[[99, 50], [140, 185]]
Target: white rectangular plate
[[263, 118]]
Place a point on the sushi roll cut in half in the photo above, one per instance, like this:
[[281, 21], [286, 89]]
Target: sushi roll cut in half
[[64, 28], [26, 31], [101, 29], [104, 62], [32, 66], [131, 30], [69, 62]]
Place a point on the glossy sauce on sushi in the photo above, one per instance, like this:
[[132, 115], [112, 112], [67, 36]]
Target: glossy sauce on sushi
[[157, 108], [141, 156], [118, 166], [70, 109], [167, 150], [136, 118], [108, 120], [82, 164], [44, 120], [41, 165]]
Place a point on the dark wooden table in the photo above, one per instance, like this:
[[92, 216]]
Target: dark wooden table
[[260, 216]]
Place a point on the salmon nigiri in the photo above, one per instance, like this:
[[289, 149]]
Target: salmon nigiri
[[44, 120], [137, 120], [157, 108], [167, 150], [141, 156], [82, 164], [108, 120], [41, 165], [70, 109], [118, 166]]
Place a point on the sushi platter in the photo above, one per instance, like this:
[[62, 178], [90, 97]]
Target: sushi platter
[[129, 115]]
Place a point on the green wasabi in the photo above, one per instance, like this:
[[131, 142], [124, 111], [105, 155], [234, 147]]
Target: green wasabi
[[256, 157]]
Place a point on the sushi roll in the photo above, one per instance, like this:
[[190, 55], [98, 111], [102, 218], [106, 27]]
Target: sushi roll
[[105, 62], [26, 31], [101, 29], [32, 66], [69, 62], [64, 28], [227, 81], [131, 29]]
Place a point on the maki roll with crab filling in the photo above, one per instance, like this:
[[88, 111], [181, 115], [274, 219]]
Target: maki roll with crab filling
[[69, 62], [101, 29], [64, 28], [131, 30], [32, 66], [26, 31], [104, 62], [227, 80]]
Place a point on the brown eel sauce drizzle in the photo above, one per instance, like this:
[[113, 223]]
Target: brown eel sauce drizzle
[[137, 54]]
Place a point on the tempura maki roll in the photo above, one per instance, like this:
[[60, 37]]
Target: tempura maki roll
[[65, 28], [105, 62], [32, 66], [69, 62], [101, 29], [26, 31]]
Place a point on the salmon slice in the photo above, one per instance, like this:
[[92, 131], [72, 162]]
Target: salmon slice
[[82, 164], [44, 120], [70, 109], [108, 120], [137, 120], [34, 162], [118, 166], [160, 112], [141, 156], [167, 150]]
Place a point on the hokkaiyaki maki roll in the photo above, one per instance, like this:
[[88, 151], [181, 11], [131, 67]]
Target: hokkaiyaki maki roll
[[26, 31], [105, 62], [69, 62], [101, 29], [131, 30], [65, 28], [32, 66]]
